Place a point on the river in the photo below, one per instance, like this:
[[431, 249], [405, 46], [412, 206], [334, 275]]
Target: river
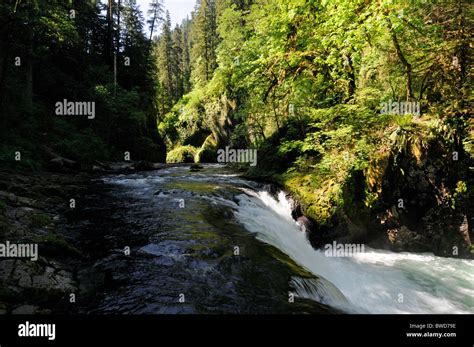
[[212, 242]]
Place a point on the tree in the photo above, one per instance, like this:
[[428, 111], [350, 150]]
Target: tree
[[156, 15], [205, 42]]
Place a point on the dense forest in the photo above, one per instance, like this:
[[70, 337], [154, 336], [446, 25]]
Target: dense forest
[[358, 108], [56, 50], [355, 122]]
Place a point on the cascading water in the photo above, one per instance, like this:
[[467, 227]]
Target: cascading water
[[375, 281], [191, 248]]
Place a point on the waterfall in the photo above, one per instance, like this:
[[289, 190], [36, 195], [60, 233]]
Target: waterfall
[[374, 281]]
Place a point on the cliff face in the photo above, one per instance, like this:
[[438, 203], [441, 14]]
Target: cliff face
[[423, 204], [426, 203]]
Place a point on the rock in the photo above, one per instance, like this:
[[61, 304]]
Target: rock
[[90, 281], [96, 168], [59, 163], [22, 273], [6, 268], [26, 309], [305, 223], [196, 167], [160, 192], [445, 229], [143, 166], [100, 166], [16, 200], [52, 280]]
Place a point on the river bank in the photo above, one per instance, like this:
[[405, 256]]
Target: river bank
[[83, 265], [202, 240]]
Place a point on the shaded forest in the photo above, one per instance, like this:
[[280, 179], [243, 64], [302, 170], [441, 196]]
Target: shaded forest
[[56, 50], [361, 109]]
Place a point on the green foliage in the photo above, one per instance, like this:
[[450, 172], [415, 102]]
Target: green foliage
[[460, 192], [71, 58], [182, 154], [85, 147]]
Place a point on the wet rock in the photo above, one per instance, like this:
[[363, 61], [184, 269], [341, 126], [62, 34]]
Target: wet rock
[[6, 268], [305, 223], [96, 168], [22, 273], [26, 309], [16, 200], [143, 166], [447, 232], [90, 281], [161, 192], [195, 168]]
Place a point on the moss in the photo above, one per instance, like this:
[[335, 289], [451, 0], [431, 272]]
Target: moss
[[182, 154], [285, 259], [208, 151], [53, 243], [374, 174], [39, 220], [196, 187], [318, 202]]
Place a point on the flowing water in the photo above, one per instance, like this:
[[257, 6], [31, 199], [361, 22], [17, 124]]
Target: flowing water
[[211, 242]]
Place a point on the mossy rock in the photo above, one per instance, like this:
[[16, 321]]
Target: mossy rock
[[207, 156], [182, 154], [208, 151], [318, 203], [53, 243], [40, 220], [197, 187]]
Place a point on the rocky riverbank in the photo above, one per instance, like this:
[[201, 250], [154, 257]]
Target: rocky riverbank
[[34, 209], [82, 266]]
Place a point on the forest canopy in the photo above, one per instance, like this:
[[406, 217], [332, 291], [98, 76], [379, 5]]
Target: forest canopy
[[333, 94]]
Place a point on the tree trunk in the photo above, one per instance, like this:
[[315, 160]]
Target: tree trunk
[[29, 72], [351, 75], [401, 56]]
